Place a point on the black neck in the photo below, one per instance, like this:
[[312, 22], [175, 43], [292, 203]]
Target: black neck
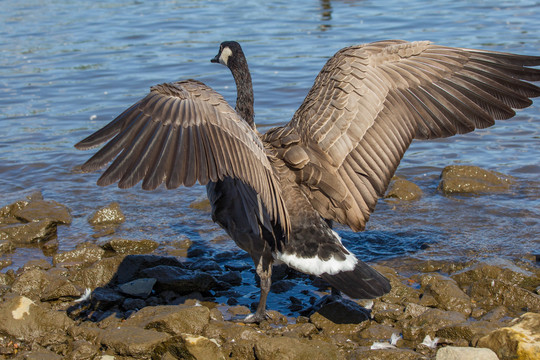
[[244, 89]]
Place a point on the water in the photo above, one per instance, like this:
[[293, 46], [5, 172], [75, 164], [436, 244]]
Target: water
[[69, 67]]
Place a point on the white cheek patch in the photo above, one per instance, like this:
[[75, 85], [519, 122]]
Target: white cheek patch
[[316, 265], [225, 54]]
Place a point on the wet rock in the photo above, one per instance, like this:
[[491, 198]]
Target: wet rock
[[38, 354], [24, 320], [416, 328], [83, 254], [519, 341], [492, 293], [180, 280], [382, 311], [447, 293], [470, 331], [138, 288], [30, 283], [132, 341], [465, 353], [5, 246], [288, 348], [472, 179], [108, 215], [495, 314], [503, 271], [202, 348], [29, 233], [38, 210], [99, 273], [83, 350], [205, 264], [131, 247], [233, 278], [203, 205], [364, 353], [238, 310], [403, 190], [130, 304], [399, 293], [282, 286], [172, 319]]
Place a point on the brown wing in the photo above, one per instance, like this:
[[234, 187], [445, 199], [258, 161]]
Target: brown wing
[[369, 102], [181, 133]]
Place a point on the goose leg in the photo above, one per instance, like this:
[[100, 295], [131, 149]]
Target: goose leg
[[264, 270]]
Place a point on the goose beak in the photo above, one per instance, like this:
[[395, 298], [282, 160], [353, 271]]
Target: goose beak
[[215, 59]]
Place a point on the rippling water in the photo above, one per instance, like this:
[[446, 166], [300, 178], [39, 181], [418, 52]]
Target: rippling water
[[69, 67]]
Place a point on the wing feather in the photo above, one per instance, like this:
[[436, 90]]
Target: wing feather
[[370, 101], [182, 133]]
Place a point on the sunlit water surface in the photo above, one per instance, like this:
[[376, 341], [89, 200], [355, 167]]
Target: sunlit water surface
[[69, 67]]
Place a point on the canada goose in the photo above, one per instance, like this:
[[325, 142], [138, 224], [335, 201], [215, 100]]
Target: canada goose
[[276, 194]]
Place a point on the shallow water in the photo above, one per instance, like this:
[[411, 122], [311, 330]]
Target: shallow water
[[69, 67]]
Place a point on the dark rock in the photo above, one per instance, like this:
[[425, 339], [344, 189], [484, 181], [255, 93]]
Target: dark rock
[[83, 254], [24, 320], [108, 215], [132, 341], [496, 314], [132, 266], [133, 304], [138, 288], [519, 341], [472, 179], [205, 265], [105, 297], [403, 190], [285, 347], [180, 280], [36, 211], [29, 233], [447, 293], [416, 328], [233, 278], [130, 247], [237, 265], [172, 319], [282, 286]]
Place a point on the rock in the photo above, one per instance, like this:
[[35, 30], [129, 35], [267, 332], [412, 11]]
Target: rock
[[340, 311], [138, 288], [403, 190], [99, 273], [399, 293], [519, 341], [83, 254], [470, 331], [130, 304], [5, 246], [382, 311], [416, 328], [59, 288], [180, 280], [472, 179], [25, 320], [172, 319], [30, 283], [202, 348], [503, 271], [132, 341], [379, 332], [364, 353], [282, 286], [287, 348], [131, 247], [492, 293], [132, 266], [108, 215], [447, 293], [38, 210], [83, 350], [29, 233], [38, 354], [465, 353], [302, 330], [104, 298], [203, 205], [233, 278]]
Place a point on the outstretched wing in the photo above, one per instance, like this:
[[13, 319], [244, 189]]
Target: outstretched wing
[[369, 102], [181, 133]]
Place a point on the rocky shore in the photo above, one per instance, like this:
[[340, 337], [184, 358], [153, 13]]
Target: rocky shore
[[130, 299]]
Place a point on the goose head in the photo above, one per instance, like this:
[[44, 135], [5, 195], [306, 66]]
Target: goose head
[[230, 54]]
